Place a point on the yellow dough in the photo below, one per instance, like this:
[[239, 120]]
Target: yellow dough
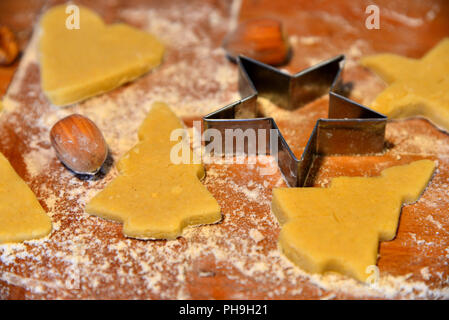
[[339, 228], [416, 87], [21, 215], [80, 63], [154, 198]]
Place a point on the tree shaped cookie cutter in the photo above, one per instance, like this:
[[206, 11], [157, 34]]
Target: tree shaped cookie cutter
[[350, 128]]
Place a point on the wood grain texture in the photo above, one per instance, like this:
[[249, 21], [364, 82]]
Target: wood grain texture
[[237, 265]]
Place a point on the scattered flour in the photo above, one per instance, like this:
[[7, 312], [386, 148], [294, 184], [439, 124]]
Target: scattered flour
[[86, 256]]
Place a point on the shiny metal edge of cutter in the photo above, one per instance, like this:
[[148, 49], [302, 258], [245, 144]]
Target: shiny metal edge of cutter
[[350, 128]]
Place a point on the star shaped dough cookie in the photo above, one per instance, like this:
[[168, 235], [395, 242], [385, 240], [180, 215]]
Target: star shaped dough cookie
[[416, 87], [339, 228], [152, 196]]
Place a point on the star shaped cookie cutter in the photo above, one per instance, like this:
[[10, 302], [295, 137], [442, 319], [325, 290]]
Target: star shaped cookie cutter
[[350, 128]]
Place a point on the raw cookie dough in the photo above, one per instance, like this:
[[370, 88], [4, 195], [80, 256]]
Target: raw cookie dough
[[416, 87], [339, 228], [80, 63], [154, 198], [21, 215]]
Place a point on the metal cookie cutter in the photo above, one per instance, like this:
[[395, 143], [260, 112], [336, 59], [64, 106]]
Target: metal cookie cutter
[[351, 128]]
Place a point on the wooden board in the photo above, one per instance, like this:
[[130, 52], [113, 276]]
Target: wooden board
[[87, 257]]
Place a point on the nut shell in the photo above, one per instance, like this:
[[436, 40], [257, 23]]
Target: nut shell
[[262, 39], [79, 144], [9, 49]]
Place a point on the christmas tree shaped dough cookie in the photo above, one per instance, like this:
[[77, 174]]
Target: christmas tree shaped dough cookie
[[80, 63], [416, 87], [153, 197], [339, 228], [21, 215]]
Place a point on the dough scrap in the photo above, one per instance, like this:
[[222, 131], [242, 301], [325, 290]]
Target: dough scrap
[[416, 87], [338, 228], [21, 215], [154, 198], [79, 63]]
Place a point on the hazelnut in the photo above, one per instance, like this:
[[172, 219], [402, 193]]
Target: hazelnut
[[79, 144], [9, 48], [262, 39]]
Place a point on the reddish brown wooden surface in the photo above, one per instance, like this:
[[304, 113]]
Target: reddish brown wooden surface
[[318, 30]]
